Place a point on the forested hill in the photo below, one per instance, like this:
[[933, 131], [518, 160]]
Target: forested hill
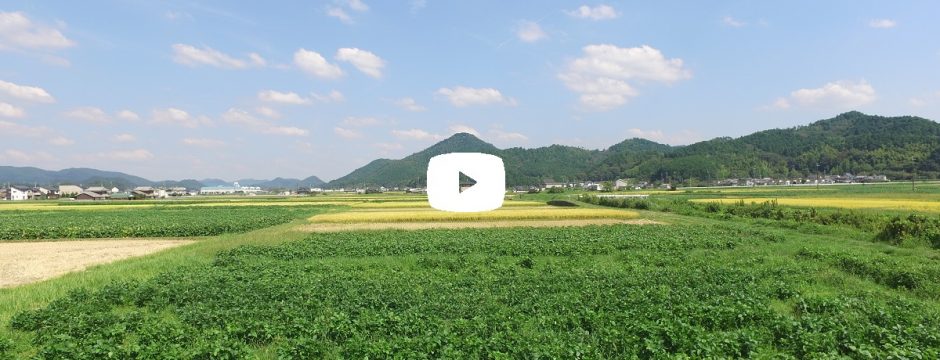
[[849, 143]]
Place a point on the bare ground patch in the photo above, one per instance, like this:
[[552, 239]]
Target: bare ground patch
[[337, 227], [27, 262]]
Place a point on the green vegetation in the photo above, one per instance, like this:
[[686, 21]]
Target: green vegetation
[[160, 221], [620, 291], [852, 142]]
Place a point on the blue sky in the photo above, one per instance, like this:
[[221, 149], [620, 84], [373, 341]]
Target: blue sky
[[195, 89]]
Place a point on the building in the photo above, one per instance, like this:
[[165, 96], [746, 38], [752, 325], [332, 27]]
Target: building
[[621, 184], [17, 193], [69, 190], [100, 190], [88, 195], [227, 190]]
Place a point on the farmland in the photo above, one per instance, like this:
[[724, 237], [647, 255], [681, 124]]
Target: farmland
[[688, 283], [164, 221]]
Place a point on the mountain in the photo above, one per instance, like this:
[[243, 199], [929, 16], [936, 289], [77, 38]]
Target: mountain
[[852, 142], [92, 177], [83, 176]]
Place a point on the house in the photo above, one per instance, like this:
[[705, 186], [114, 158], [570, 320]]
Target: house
[[39, 193], [115, 190], [621, 184], [100, 190], [122, 196], [550, 183], [148, 190], [17, 193], [177, 191], [88, 195], [69, 190]]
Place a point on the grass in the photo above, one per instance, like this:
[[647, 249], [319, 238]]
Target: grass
[[712, 289], [840, 202], [523, 213]]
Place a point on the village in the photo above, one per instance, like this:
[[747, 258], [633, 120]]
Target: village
[[93, 193]]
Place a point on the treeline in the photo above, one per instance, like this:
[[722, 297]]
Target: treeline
[[856, 143], [909, 231]]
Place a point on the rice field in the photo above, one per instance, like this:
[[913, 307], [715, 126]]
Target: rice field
[[521, 213], [844, 203]]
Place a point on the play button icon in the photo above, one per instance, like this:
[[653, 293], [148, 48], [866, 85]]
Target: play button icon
[[482, 188]]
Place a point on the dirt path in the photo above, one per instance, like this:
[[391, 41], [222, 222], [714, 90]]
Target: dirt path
[[23, 263], [336, 227]]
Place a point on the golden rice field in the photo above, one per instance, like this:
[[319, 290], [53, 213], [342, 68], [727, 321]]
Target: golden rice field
[[846, 203], [424, 204], [522, 213]]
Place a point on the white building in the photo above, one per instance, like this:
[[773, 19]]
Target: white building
[[17, 193], [225, 190]]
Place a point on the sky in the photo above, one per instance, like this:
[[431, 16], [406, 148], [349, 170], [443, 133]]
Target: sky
[[220, 89]]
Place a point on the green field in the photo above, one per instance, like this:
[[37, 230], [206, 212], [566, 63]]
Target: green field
[[764, 281], [149, 221]]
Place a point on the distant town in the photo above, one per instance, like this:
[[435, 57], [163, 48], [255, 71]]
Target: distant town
[[92, 193]]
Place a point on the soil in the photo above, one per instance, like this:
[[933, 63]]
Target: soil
[[28, 262]]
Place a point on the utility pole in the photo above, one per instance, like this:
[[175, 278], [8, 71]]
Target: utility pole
[[913, 172]]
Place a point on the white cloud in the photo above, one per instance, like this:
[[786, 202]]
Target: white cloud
[[128, 115], [177, 15], [10, 111], [17, 156], [24, 92], [61, 141], [333, 96], [257, 60], [388, 147], [357, 5], [242, 117], [286, 131], [459, 128], [367, 62], [346, 133], [191, 56], [839, 94], [90, 114], [17, 31], [124, 138], [127, 155], [599, 12], [267, 112], [417, 5], [601, 75], [506, 136], [357, 121], [409, 104], [7, 127], [882, 23], [291, 98], [461, 96], [340, 14], [681, 138], [732, 22], [925, 100], [416, 134], [530, 31], [315, 64], [174, 116], [203, 142]]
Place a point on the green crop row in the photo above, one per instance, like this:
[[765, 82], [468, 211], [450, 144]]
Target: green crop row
[[146, 222], [708, 291]]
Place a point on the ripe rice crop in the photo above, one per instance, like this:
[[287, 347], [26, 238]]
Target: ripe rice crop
[[540, 213], [847, 203], [425, 204]]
